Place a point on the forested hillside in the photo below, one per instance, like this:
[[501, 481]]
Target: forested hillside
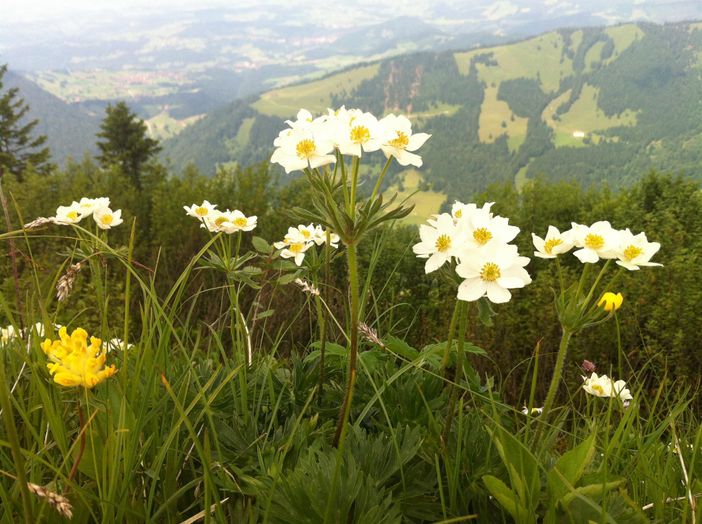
[[596, 105], [70, 131]]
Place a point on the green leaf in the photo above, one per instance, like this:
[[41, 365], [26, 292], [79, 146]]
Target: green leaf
[[590, 491], [567, 471], [508, 500], [261, 245], [522, 466], [400, 347]]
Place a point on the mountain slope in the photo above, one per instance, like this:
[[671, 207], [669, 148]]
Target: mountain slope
[[596, 104], [70, 131]]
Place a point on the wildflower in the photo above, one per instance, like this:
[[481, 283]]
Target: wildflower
[[492, 272], [303, 146], [588, 367], [237, 221], [115, 344], [202, 211], [440, 241], [8, 334], [482, 227], [460, 211], [67, 215], [635, 250], [603, 386], [307, 233], [296, 250], [610, 301], [555, 243], [598, 386], [397, 140], [88, 206], [534, 411], [595, 242], [74, 362], [356, 132], [320, 237], [105, 218]]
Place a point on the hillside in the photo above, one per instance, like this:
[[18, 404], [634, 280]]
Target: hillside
[[595, 104], [69, 130]]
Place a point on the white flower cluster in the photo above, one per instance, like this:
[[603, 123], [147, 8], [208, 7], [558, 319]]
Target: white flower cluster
[[598, 241], [311, 142], [479, 242], [99, 208], [299, 239], [603, 386], [116, 344], [9, 333], [217, 221]]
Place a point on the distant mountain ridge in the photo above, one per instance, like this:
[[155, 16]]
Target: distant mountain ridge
[[70, 131], [596, 104]]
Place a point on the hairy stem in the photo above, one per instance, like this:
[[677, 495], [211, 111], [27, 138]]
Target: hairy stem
[[557, 373]]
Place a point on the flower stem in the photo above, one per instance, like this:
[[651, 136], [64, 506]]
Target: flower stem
[[353, 343], [449, 339], [81, 449], [354, 184], [453, 393], [557, 373], [380, 178]]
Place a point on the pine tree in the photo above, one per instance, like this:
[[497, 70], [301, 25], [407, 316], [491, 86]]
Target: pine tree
[[123, 142], [18, 146]]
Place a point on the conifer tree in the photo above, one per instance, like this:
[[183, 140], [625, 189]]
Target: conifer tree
[[123, 142], [18, 146]]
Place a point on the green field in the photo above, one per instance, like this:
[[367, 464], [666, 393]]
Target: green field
[[426, 203], [585, 116], [315, 96], [164, 126], [518, 61], [497, 119], [623, 36]]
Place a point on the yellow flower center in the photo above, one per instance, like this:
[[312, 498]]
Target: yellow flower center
[[490, 272], [305, 233], [482, 236], [550, 244], [458, 213], [631, 252], [297, 247], [240, 222], [220, 220], [593, 241], [201, 211], [305, 148], [72, 215], [443, 243], [599, 389], [360, 134], [106, 219], [400, 142]]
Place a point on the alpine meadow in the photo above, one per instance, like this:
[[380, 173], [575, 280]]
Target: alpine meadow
[[404, 274]]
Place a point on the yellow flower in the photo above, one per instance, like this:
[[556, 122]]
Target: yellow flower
[[74, 362], [611, 301]]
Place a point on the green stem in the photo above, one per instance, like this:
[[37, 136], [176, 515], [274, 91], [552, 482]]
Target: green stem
[[597, 280], [619, 345], [380, 178], [353, 343], [354, 184], [449, 339], [81, 449], [557, 373], [453, 394]]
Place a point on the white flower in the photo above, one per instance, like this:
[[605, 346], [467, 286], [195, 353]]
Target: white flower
[[482, 228], [303, 146], [595, 242], [7, 334], [105, 218], [555, 243], [87, 206], [296, 251], [115, 344], [320, 237], [492, 272], [603, 386], [635, 250], [461, 211], [202, 211], [66, 215], [440, 241], [397, 140], [355, 131], [534, 411], [293, 235], [237, 221], [307, 233]]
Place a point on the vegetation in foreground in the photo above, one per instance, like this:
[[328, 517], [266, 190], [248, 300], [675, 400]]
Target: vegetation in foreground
[[192, 404]]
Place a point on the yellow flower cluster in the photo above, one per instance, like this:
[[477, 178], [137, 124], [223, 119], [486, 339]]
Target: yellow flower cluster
[[74, 362]]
